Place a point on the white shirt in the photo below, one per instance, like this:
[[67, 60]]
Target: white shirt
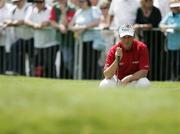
[[124, 12], [83, 17], [22, 32], [49, 2], [5, 14], [163, 5], [46, 37]]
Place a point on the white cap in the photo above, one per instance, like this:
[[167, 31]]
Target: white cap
[[15, 0], [174, 4], [126, 30]]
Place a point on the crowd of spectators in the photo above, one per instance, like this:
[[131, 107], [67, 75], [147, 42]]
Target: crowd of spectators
[[38, 37]]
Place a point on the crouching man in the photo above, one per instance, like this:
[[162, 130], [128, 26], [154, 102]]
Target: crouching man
[[127, 62]]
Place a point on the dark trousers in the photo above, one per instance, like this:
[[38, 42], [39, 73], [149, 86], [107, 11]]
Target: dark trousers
[[45, 62], [67, 55], [91, 69], [173, 65], [2, 60], [155, 42], [18, 55]]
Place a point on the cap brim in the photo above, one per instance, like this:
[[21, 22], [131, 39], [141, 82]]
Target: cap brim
[[15, 0], [126, 34], [174, 5]]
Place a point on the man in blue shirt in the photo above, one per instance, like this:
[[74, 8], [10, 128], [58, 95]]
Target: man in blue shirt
[[170, 24]]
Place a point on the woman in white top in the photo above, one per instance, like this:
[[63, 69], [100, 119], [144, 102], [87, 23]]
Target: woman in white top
[[84, 20]]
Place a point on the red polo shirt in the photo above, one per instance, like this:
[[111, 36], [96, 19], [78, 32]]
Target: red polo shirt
[[56, 13], [133, 60]]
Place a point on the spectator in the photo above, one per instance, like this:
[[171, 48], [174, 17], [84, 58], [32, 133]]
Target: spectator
[[61, 15], [107, 34], [5, 10], [104, 6], [23, 36], [148, 17], [86, 18], [120, 14], [127, 61], [45, 43], [95, 4], [74, 4], [171, 26]]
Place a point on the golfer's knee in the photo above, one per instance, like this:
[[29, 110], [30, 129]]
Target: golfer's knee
[[143, 82], [107, 83]]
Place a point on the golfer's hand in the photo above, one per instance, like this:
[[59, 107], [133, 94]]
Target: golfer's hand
[[126, 80], [118, 54]]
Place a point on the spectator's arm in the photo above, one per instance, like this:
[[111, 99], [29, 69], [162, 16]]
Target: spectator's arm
[[35, 25], [3, 25], [29, 23], [53, 21], [44, 24], [84, 27], [110, 19], [164, 27], [93, 24], [54, 24], [177, 27], [143, 26], [61, 27], [18, 22], [14, 22]]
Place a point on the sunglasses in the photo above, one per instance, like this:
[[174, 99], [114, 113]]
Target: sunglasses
[[104, 7], [82, 1], [148, 0], [39, 1]]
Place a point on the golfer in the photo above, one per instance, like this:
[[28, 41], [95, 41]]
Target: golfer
[[127, 62]]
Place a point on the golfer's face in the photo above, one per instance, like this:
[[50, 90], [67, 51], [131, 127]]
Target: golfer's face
[[127, 41]]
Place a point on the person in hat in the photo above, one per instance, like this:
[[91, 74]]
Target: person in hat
[[170, 24], [127, 62]]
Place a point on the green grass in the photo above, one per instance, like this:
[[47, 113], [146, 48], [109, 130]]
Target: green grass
[[44, 106]]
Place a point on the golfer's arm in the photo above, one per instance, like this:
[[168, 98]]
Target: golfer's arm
[[137, 75], [111, 70]]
